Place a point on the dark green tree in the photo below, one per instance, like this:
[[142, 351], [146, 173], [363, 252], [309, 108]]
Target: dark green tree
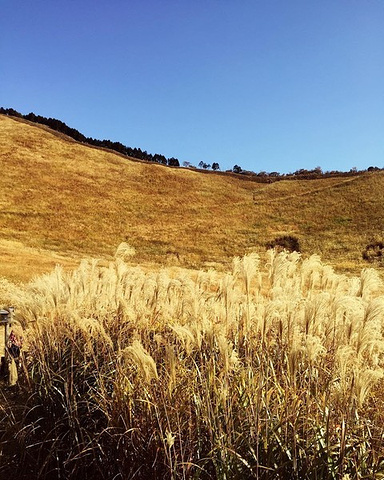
[[173, 162]]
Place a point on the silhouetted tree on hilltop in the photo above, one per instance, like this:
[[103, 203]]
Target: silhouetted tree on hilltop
[[265, 177]]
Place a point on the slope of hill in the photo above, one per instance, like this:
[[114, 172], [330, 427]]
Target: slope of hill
[[61, 201]]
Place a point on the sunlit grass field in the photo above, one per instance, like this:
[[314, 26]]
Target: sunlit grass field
[[191, 352], [271, 369], [61, 201]]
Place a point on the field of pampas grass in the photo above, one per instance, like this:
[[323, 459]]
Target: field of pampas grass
[[273, 370]]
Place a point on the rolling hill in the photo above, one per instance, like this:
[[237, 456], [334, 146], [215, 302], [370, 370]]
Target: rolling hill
[[61, 201]]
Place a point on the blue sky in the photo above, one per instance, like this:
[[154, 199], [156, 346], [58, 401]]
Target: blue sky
[[270, 85]]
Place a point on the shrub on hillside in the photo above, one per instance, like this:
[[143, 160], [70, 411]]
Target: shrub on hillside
[[286, 242], [374, 252]]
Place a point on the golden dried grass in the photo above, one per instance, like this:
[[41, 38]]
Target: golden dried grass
[[206, 375], [59, 197]]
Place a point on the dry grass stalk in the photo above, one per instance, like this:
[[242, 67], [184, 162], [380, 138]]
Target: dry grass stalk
[[206, 375]]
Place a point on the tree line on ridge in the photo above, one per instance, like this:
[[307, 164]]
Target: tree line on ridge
[[138, 153]]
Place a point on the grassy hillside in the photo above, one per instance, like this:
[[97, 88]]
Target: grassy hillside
[[61, 201]]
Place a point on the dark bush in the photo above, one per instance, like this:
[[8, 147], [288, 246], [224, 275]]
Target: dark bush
[[374, 252], [286, 242]]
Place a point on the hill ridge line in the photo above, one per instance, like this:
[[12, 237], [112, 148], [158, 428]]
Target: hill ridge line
[[142, 155]]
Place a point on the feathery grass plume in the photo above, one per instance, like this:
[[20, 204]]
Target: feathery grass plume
[[311, 273], [348, 314], [124, 251], [273, 312], [370, 282], [314, 348], [53, 286], [194, 298], [369, 340], [364, 381], [282, 270], [316, 310], [10, 293], [227, 295], [345, 361], [94, 330], [228, 354], [247, 268], [144, 362], [330, 281], [186, 336], [294, 355]]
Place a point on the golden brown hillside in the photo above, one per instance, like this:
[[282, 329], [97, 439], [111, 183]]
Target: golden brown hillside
[[61, 201]]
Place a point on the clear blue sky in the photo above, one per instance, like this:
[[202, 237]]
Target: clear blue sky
[[272, 85]]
